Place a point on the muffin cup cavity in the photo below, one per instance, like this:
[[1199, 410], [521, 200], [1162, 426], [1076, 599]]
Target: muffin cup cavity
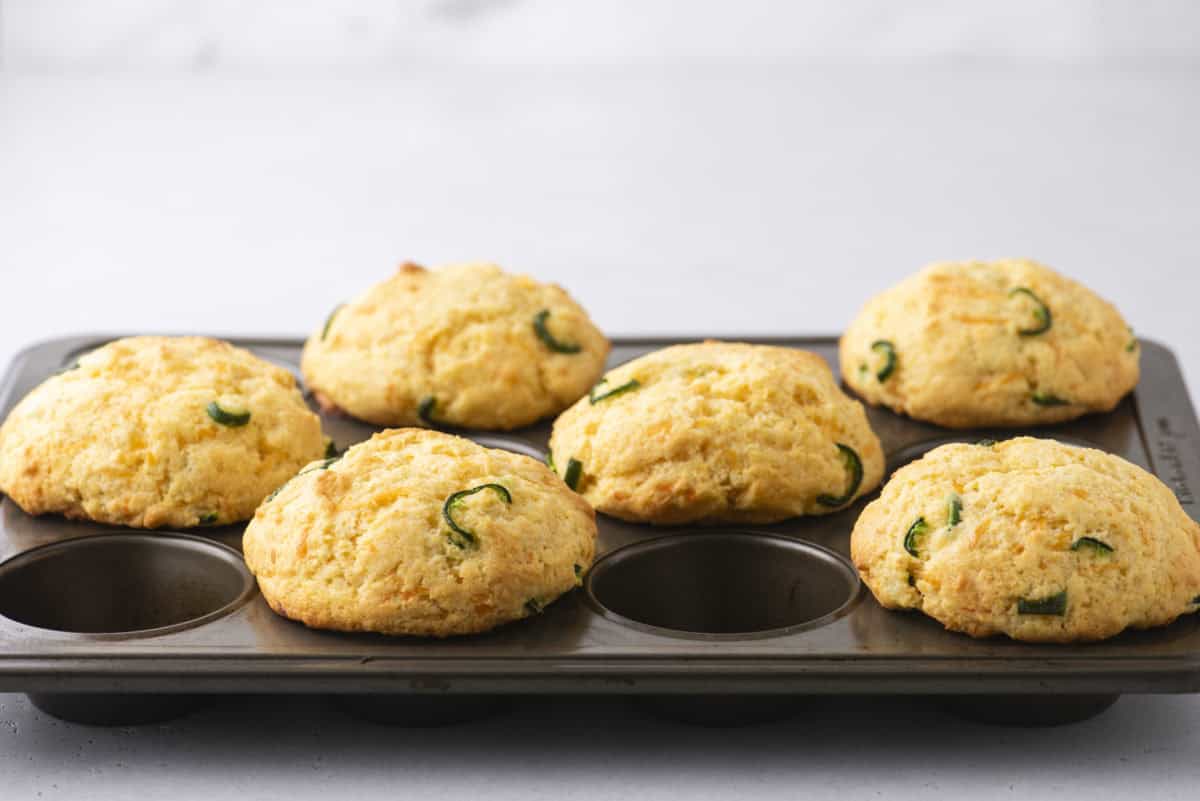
[[723, 585], [982, 437], [507, 443], [123, 585]]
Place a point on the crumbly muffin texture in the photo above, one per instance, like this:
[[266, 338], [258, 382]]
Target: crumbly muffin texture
[[365, 542], [1031, 538], [158, 431], [469, 346], [718, 432], [1001, 343]]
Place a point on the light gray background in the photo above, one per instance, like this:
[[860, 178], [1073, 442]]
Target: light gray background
[[710, 168]]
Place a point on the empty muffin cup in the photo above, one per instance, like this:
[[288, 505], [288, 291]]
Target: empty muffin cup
[[723, 585], [123, 585]]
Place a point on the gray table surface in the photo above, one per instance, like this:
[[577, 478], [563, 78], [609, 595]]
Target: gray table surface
[[669, 200]]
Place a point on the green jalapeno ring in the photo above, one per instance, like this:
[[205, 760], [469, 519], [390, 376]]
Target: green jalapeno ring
[[953, 510], [233, 418], [1041, 313], [889, 354], [914, 533], [465, 537], [628, 386], [1048, 399], [573, 474], [1050, 605], [854, 467], [321, 465], [543, 333], [1100, 547]]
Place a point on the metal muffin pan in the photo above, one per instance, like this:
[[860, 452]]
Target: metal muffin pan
[[116, 626]]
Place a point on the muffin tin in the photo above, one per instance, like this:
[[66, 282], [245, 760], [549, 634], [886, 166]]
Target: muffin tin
[[718, 624]]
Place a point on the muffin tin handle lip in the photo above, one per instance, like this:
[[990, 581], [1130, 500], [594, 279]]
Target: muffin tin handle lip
[[222, 551], [667, 539]]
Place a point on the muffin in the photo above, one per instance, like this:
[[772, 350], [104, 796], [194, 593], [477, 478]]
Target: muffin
[[717, 432], [158, 431], [1002, 343], [422, 533], [1030, 538], [469, 346]]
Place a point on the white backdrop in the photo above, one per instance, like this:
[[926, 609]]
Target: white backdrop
[[749, 167], [724, 200], [285, 37]]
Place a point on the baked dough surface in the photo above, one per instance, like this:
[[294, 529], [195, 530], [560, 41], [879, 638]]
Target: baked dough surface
[[1097, 543], [126, 437], [961, 358], [456, 346], [361, 543], [717, 432]]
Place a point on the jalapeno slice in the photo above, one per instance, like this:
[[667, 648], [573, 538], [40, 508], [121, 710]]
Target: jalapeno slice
[[543, 333], [1099, 547], [889, 358], [573, 474], [321, 465], [953, 510], [1041, 313], [595, 397], [914, 535], [854, 470], [1048, 399], [460, 536], [1050, 605], [234, 417]]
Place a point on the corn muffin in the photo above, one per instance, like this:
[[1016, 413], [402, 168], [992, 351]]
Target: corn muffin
[[466, 346], [1031, 538], [158, 431], [717, 432], [422, 533], [1001, 343]]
